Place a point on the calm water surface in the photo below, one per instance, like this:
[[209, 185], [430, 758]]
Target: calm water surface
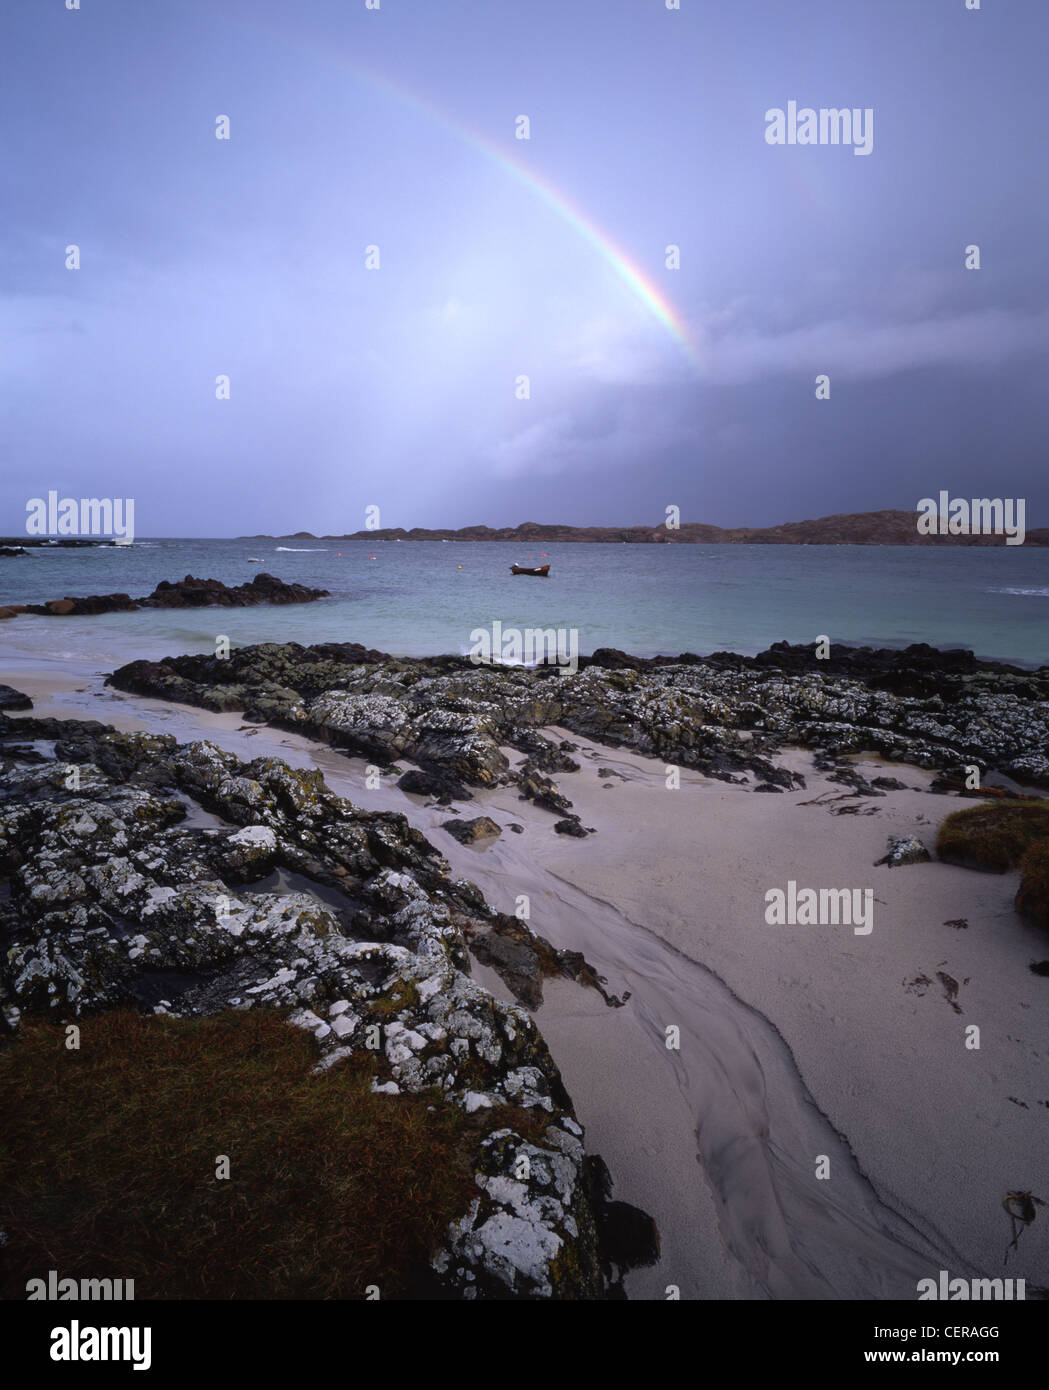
[[422, 598]]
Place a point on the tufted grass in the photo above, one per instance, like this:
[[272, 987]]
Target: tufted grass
[[1032, 898], [995, 836], [108, 1162]]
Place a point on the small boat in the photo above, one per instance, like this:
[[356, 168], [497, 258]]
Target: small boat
[[541, 571]]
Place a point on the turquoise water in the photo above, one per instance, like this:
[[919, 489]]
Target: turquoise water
[[413, 598]]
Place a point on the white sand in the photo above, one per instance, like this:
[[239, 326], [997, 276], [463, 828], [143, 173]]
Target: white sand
[[929, 1120], [796, 1041]]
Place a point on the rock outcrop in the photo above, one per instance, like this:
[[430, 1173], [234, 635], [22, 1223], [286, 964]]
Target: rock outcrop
[[207, 593], [724, 715], [472, 832], [183, 593], [13, 699], [903, 850], [273, 893]]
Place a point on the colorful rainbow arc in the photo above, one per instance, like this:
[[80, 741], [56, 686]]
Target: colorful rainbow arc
[[642, 286]]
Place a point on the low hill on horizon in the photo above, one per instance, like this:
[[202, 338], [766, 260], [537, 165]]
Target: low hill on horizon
[[847, 528]]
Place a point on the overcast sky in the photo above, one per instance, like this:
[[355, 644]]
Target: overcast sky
[[395, 387]]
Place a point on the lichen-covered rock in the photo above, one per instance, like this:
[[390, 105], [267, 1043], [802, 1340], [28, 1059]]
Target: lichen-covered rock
[[524, 1232], [295, 899], [724, 715], [907, 849]]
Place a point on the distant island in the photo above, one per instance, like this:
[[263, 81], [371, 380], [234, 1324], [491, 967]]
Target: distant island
[[851, 528]]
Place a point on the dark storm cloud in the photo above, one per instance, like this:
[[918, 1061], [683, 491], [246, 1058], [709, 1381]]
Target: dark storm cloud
[[352, 387]]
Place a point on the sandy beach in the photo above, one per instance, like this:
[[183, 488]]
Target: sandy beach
[[797, 1044]]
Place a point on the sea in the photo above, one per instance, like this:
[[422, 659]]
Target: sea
[[420, 598]]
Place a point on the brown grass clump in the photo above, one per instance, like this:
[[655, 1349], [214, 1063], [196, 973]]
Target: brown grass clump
[[995, 836], [108, 1162], [1032, 898]]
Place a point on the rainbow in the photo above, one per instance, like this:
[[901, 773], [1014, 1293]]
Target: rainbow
[[640, 284]]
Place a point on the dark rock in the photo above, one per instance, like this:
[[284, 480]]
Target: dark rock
[[49, 542], [575, 966], [13, 699], [22, 753], [185, 593], [780, 777], [570, 826], [543, 754], [202, 593], [434, 783], [612, 659], [848, 776], [627, 1236], [516, 962], [80, 607], [468, 832], [535, 787]]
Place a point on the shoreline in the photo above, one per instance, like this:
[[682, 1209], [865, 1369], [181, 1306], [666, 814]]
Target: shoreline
[[71, 663], [813, 1032]]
